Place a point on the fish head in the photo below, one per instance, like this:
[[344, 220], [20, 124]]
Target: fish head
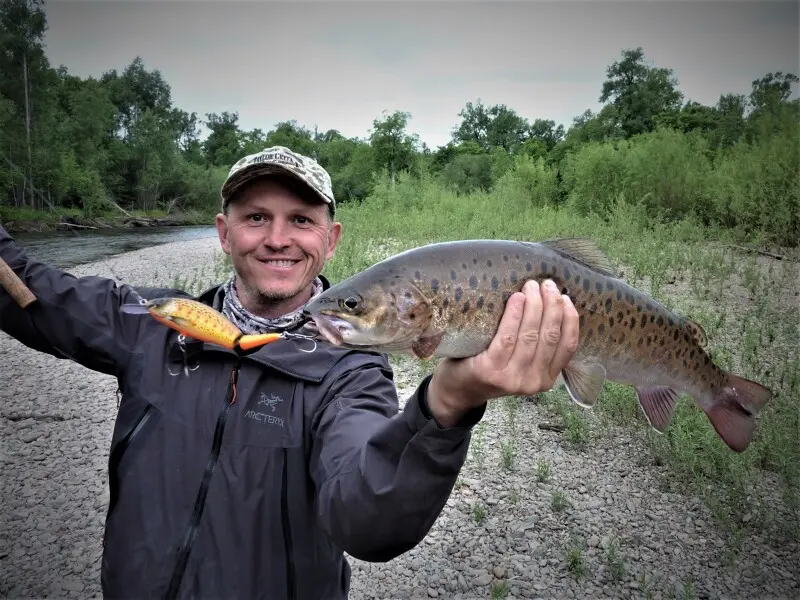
[[384, 313]]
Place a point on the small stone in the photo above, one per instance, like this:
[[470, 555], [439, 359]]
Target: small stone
[[482, 580], [499, 572]]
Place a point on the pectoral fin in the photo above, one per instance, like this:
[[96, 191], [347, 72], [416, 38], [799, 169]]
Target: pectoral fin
[[584, 382], [424, 347]]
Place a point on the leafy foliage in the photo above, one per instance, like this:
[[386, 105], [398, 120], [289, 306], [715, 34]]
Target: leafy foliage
[[79, 144]]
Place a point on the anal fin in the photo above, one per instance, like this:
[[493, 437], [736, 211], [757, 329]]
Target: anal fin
[[658, 404], [584, 382]]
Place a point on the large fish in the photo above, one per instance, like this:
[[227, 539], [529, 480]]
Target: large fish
[[447, 299]]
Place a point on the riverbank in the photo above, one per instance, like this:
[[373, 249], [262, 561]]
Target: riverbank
[[578, 508], [27, 221]]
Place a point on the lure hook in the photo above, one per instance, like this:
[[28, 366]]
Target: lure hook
[[287, 335]]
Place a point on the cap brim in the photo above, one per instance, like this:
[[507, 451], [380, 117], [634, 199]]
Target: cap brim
[[237, 180]]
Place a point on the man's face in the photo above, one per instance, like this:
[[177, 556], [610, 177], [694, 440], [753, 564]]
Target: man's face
[[278, 243]]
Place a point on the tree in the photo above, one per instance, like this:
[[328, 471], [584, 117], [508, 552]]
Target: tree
[[393, 147], [639, 92]]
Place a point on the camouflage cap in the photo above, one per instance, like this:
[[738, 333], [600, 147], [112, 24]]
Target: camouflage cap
[[279, 160]]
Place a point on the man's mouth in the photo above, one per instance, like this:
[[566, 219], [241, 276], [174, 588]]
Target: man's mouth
[[279, 263]]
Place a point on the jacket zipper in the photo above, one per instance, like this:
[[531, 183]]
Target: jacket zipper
[[194, 522], [291, 592]]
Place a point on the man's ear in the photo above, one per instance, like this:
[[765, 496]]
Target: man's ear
[[334, 233], [222, 232]]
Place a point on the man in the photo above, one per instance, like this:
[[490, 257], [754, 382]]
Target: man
[[251, 476]]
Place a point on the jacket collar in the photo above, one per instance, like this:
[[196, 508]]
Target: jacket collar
[[285, 355]]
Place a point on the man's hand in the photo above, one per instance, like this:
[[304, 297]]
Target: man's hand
[[537, 336]]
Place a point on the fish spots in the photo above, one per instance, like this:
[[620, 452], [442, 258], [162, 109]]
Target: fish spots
[[544, 266], [638, 308], [528, 267], [435, 285], [585, 285], [474, 261], [610, 321], [464, 266], [446, 301], [609, 304], [652, 318], [660, 321], [417, 275], [490, 306], [566, 273], [513, 277], [453, 275], [601, 328], [407, 295], [609, 285], [495, 283], [644, 321], [619, 295], [649, 306], [671, 321], [459, 293], [581, 320], [473, 282], [629, 297], [479, 304], [599, 286], [488, 263], [505, 257], [465, 308], [506, 296]]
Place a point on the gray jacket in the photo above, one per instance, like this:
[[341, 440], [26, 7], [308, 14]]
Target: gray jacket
[[251, 476]]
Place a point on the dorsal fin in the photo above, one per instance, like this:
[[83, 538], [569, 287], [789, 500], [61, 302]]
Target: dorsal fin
[[584, 251], [696, 331]]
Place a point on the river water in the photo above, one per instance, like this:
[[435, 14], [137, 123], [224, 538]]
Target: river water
[[65, 249]]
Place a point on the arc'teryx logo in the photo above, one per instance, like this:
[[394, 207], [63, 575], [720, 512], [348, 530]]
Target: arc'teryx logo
[[270, 401]]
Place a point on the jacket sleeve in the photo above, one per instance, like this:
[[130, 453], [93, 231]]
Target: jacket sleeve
[[383, 477], [73, 317]]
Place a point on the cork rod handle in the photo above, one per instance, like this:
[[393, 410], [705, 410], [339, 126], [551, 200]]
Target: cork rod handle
[[15, 287]]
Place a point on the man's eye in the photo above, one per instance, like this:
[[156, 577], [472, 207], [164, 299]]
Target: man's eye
[[256, 217]]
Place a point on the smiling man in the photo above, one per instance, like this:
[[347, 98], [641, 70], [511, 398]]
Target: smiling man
[[252, 476]]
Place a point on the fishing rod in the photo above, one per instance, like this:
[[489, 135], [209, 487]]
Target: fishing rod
[[15, 287]]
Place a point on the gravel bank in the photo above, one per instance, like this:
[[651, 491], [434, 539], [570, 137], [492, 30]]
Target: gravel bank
[[610, 531]]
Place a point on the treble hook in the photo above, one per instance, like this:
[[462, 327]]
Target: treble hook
[[186, 368], [287, 335]]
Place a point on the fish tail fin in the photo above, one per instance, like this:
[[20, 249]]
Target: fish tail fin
[[734, 407]]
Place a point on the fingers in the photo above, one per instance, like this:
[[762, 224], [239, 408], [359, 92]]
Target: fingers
[[502, 345], [568, 343], [529, 328], [552, 313]]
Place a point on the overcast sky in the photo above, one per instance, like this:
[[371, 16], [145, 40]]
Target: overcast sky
[[337, 65]]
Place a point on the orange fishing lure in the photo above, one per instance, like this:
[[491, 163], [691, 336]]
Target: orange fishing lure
[[196, 320]]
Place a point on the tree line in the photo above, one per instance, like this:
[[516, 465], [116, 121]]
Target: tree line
[[88, 144]]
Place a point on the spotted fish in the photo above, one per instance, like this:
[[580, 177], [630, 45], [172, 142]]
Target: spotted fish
[[447, 299]]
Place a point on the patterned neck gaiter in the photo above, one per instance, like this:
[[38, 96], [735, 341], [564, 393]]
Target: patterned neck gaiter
[[253, 324]]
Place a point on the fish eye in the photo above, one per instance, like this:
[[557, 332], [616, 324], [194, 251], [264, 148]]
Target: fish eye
[[350, 303]]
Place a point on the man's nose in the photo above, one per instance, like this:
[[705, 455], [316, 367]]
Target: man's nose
[[276, 235]]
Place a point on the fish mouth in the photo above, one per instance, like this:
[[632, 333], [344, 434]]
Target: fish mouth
[[331, 328]]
